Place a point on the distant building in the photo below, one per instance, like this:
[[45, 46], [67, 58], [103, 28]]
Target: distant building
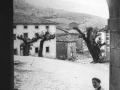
[[29, 30], [79, 40], [105, 37], [51, 48], [66, 47], [108, 45], [75, 35]]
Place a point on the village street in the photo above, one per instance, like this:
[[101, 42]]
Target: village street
[[35, 73]]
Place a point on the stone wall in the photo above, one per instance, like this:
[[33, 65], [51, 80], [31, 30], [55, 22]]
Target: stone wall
[[114, 27]]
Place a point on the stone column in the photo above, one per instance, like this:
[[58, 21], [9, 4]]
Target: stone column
[[114, 27]]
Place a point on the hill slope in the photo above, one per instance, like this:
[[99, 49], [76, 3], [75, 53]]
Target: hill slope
[[23, 11]]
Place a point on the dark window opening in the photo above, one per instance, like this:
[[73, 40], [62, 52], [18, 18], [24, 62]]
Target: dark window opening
[[14, 36], [107, 38], [47, 49], [107, 42], [14, 27], [107, 34], [30, 48], [47, 27], [36, 27], [107, 45], [25, 27], [36, 50], [15, 51], [25, 35]]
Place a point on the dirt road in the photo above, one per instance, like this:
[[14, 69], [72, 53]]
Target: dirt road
[[34, 73]]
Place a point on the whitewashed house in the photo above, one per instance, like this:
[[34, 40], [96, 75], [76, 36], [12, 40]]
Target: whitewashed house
[[105, 37], [29, 30]]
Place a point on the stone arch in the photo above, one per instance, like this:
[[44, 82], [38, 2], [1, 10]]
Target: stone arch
[[114, 8], [114, 27]]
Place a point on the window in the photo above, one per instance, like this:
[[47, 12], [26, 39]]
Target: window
[[107, 38], [47, 27], [47, 49], [36, 50], [25, 35], [14, 27], [107, 34], [14, 36], [36, 27], [25, 27], [15, 51], [107, 42]]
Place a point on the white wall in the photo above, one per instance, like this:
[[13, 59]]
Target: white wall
[[103, 38], [31, 30], [52, 48]]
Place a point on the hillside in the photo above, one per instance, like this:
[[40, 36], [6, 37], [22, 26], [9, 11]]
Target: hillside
[[25, 11]]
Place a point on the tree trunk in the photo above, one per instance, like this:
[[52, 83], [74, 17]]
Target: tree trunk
[[26, 50], [93, 46], [94, 51], [41, 48], [98, 54]]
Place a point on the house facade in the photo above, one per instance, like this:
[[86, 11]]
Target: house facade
[[79, 40], [105, 37], [51, 48], [75, 35], [29, 30], [108, 45], [66, 47]]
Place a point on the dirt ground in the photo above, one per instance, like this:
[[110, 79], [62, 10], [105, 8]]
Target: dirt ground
[[35, 73]]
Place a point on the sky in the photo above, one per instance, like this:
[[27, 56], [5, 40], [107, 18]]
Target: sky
[[93, 7]]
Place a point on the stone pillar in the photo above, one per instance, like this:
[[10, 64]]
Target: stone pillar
[[114, 27]]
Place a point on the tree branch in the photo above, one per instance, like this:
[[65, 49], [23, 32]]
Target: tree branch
[[36, 38], [89, 32], [63, 30], [22, 38], [96, 36], [82, 34], [102, 44], [51, 37]]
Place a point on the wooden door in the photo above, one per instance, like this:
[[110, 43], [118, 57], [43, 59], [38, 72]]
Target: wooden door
[[61, 50]]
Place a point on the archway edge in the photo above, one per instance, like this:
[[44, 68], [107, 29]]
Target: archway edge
[[114, 27], [114, 8]]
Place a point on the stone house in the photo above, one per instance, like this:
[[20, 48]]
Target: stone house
[[28, 29], [68, 44], [66, 47], [105, 36]]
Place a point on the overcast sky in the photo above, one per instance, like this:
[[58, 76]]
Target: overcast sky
[[94, 7]]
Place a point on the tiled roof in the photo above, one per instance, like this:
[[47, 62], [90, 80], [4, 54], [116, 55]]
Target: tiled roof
[[66, 38], [73, 31]]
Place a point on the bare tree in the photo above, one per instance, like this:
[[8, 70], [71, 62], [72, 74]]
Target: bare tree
[[27, 42], [92, 44], [45, 37]]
